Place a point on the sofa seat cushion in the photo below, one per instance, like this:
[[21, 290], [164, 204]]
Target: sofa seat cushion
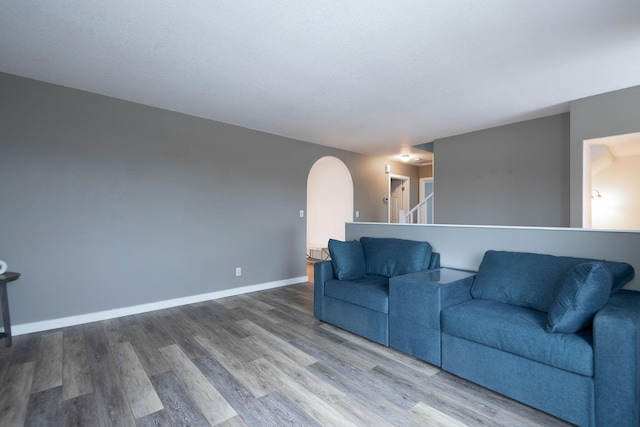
[[520, 331], [531, 280], [371, 292]]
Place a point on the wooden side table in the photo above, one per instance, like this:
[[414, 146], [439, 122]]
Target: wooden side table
[[4, 300]]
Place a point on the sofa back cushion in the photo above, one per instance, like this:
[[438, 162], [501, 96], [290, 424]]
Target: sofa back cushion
[[531, 280], [390, 257], [347, 259]]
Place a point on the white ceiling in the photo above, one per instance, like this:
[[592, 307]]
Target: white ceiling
[[367, 76]]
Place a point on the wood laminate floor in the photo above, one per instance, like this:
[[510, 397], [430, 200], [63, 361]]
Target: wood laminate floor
[[259, 359]]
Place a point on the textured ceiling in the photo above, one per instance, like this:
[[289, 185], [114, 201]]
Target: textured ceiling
[[367, 76]]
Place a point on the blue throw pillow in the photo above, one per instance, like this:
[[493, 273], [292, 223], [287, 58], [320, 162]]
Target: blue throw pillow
[[347, 259], [584, 290]]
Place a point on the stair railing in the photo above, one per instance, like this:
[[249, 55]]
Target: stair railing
[[420, 213]]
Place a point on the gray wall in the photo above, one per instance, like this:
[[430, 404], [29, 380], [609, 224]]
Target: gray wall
[[613, 113], [464, 246], [509, 175], [108, 204]]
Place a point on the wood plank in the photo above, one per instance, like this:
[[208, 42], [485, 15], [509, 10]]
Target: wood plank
[[211, 403], [433, 417], [311, 404], [153, 330], [147, 352], [14, 391], [112, 406], [269, 342], [157, 419], [76, 376], [502, 404], [189, 325], [229, 345], [6, 354], [236, 421], [250, 409], [241, 371], [361, 413], [302, 313], [49, 365], [178, 405], [141, 395], [80, 411], [174, 327], [215, 317], [290, 328], [114, 329], [355, 390], [352, 341], [45, 408], [27, 349], [344, 363], [526, 418], [305, 378], [229, 302], [254, 304], [463, 408], [287, 413], [293, 299], [127, 321]]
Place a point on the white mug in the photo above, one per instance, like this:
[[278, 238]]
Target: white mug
[[3, 267]]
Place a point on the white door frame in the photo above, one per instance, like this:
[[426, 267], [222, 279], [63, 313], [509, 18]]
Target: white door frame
[[406, 194]]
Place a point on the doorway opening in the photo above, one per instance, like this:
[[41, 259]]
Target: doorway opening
[[426, 196], [610, 181], [329, 206], [398, 198]]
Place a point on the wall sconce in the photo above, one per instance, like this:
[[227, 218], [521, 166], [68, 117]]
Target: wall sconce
[[387, 168], [595, 194]]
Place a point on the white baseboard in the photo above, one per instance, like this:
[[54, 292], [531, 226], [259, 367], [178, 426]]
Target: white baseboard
[[45, 325]]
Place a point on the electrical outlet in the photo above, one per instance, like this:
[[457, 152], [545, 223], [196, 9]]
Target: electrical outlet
[[238, 271], [357, 214], [301, 213]]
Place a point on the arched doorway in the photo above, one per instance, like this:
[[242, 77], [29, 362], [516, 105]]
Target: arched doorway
[[329, 204]]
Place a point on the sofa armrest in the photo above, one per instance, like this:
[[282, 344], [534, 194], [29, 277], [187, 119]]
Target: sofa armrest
[[322, 271], [616, 347]]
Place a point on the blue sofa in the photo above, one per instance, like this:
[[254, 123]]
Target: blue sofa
[[553, 332], [556, 333], [352, 290]]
